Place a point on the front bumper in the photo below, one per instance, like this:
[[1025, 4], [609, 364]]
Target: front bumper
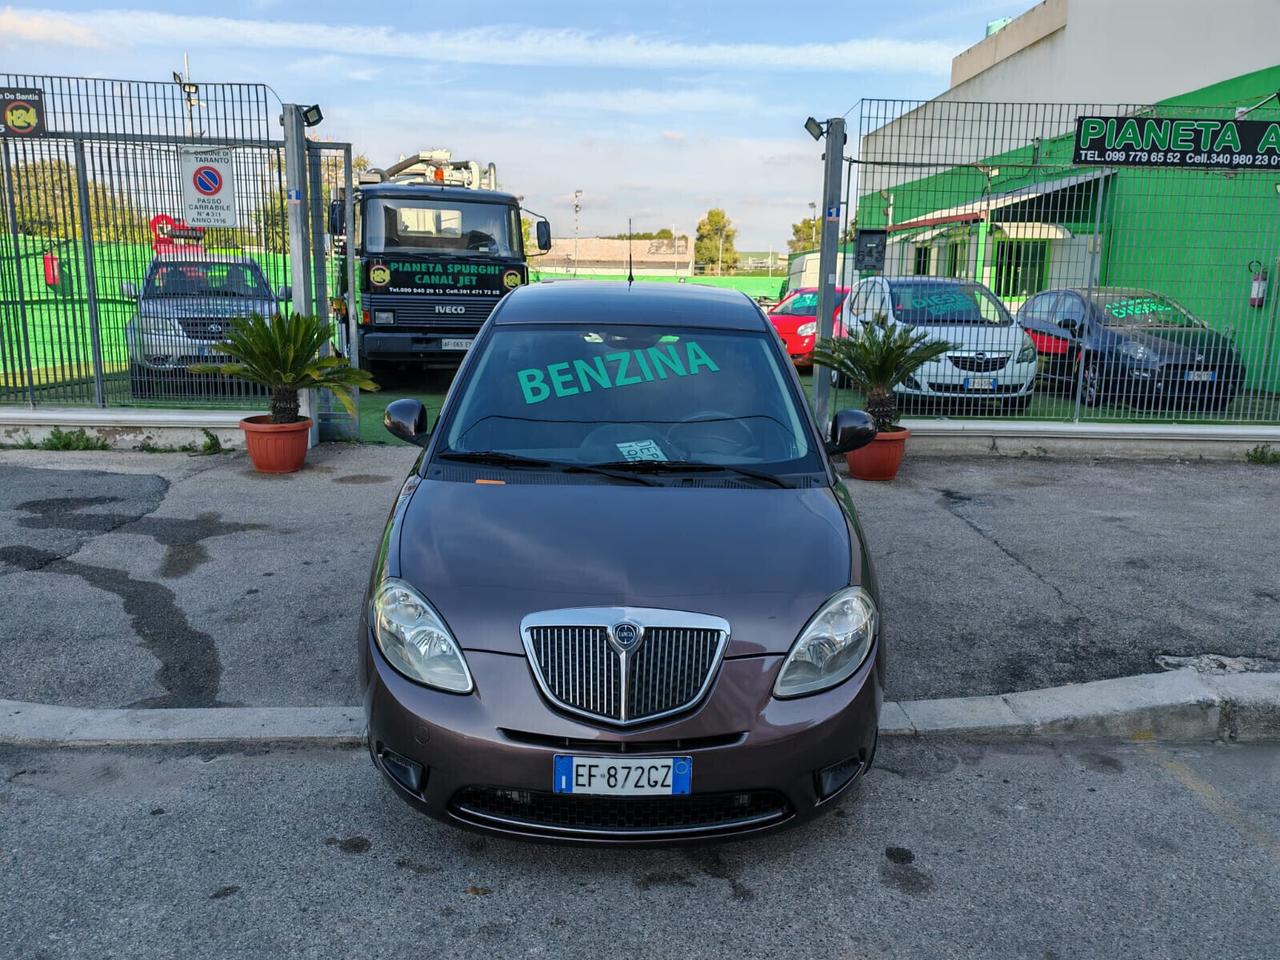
[[422, 347], [488, 756], [942, 379], [799, 349]]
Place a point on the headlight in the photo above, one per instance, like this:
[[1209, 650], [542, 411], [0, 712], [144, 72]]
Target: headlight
[[1136, 351], [832, 645], [807, 329], [1028, 352], [413, 637]]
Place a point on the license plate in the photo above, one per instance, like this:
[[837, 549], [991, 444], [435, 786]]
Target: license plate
[[980, 383], [1202, 375], [457, 344], [612, 777]]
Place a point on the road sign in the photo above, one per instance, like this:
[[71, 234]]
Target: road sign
[[208, 187]]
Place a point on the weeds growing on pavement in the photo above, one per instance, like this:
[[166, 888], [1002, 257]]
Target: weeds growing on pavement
[[59, 439], [1263, 455]]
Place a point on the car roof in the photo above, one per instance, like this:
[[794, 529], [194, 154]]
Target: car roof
[[193, 257], [938, 281], [1104, 293], [430, 191], [614, 302]]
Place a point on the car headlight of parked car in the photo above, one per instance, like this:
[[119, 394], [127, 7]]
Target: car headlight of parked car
[[414, 638], [1135, 351], [807, 329], [1028, 352], [832, 646]]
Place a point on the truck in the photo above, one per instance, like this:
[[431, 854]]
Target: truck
[[436, 246]]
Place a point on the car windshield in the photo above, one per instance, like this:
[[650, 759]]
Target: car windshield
[[930, 304], [803, 304], [602, 394], [195, 279], [1140, 309], [449, 227]]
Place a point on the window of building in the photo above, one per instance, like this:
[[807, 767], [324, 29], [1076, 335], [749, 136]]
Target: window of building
[[922, 260], [958, 258], [1021, 267]]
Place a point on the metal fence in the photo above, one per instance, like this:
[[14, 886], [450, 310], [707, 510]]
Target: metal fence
[[1087, 270], [111, 286]]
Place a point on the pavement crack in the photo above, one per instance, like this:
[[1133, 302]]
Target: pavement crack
[[951, 502], [190, 669]]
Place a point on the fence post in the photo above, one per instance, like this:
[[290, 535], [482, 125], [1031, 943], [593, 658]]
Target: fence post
[[90, 273], [295, 183], [832, 171], [349, 262], [19, 286], [1095, 267]]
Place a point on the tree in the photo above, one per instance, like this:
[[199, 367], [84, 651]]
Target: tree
[[48, 205], [663, 234], [807, 235], [714, 243]]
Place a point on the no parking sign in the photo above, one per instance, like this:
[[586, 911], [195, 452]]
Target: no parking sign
[[208, 187]]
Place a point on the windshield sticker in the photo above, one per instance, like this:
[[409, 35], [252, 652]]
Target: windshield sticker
[[622, 369], [943, 304], [637, 450], [1136, 307]]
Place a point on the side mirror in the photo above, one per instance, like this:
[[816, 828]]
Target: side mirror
[[284, 294], [850, 429], [129, 289], [542, 233], [337, 218], [1072, 324], [407, 420]]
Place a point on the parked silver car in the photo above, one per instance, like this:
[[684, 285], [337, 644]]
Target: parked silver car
[[185, 307]]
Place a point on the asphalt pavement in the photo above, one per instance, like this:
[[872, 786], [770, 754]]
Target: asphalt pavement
[[167, 580], [947, 850]]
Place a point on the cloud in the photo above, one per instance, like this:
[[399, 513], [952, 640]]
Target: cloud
[[499, 45], [39, 27]]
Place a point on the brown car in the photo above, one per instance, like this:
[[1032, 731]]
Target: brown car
[[623, 597]]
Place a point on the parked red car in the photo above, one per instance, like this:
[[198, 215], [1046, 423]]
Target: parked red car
[[795, 319]]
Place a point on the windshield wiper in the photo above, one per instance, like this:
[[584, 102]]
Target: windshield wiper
[[689, 466], [502, 459], [496, 457]]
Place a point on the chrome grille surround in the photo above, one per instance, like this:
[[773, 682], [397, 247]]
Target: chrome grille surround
[[582, 667]]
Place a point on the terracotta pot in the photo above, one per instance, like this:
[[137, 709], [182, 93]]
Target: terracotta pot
[[275, 447], [879, 459]]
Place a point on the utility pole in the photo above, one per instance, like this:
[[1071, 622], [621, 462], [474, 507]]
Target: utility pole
[[577, 210], [813, 224], [720, 254], [675, 253], [832, 174]]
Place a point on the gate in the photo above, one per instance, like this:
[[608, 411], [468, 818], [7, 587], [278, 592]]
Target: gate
[[1130, 278], [140, 219]]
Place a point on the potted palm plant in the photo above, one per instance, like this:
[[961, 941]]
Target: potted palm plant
[[875, 360], [282, 354]]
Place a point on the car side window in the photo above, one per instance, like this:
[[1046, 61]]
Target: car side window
[[857, 299], [1039, 309], [1068, 313], [876, 303]]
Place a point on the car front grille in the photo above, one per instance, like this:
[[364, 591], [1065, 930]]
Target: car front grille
[[582, 668], [538, 812], [206, 328], [960, 388], [987, 363], [421, 309]]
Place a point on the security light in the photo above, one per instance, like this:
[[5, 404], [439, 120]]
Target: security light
[[311, 115], [814, 127]]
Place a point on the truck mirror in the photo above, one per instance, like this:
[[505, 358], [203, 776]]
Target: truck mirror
[[337, 225], [542, 230]]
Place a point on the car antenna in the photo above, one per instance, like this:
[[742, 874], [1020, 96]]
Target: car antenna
[[631, 274]]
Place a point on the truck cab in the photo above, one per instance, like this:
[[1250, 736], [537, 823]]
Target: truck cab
[[436, 249]]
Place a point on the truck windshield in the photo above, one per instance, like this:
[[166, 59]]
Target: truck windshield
[[601, 393], [449, 227]]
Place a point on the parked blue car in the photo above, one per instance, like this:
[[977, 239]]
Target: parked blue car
[[1128, 345]]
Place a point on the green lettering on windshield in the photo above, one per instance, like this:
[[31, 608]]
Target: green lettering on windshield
[[568, 378]]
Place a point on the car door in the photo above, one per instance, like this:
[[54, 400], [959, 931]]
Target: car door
[[1035, 318], [1067, 329]]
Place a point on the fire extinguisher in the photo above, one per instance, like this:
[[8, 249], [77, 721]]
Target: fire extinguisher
[[52, 269], [1258, 288]]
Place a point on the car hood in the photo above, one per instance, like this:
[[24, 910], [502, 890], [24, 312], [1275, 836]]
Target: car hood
[[487, 555], [1181, 344], [973, 336], [178, 307]]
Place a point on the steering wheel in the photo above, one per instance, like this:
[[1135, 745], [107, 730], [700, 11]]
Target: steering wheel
[[709, 439]]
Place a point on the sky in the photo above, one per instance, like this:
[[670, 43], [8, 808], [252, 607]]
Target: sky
[[656, 111]]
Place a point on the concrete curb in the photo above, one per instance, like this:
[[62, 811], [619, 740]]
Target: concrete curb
[[1180, 705]]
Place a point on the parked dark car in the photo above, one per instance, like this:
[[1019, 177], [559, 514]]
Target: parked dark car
[[185, 308], [623, 597], [1130, 345]]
